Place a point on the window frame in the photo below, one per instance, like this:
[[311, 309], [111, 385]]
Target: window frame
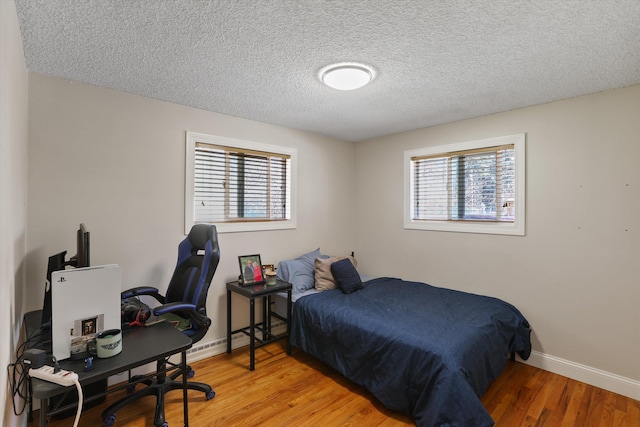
[[237, 226], [516, 228]]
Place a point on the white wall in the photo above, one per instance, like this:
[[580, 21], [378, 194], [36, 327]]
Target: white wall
[[117, 163], [13, 193], [575, 273]]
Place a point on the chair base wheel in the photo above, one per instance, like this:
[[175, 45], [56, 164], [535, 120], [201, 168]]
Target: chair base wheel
[[109, 421]]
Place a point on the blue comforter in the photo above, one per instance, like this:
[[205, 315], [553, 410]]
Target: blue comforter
[[427, 351]]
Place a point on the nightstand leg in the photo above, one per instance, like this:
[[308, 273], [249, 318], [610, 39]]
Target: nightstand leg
[[264, 318], [228, 322], [268, 311], [252, 334]]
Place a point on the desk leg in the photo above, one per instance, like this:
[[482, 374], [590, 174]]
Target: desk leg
[[44, 405], [289, 322], [252, 334], [185, 399], [30, 402], [228, 322]]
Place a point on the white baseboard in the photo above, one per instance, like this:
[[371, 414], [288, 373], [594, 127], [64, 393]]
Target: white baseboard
[[210, 348], [586, 374]]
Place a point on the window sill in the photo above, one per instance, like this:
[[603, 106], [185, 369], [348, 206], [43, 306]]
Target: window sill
[[241, 227], [513, 229]]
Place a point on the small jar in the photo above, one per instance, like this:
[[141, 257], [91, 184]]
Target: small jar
[[270, 276]]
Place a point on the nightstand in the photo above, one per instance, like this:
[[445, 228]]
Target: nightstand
[[265, 292]]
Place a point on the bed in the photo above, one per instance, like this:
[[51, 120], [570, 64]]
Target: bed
[[427, 351]]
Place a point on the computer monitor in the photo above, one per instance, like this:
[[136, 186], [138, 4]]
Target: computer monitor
[[81, 258], [57, 262]]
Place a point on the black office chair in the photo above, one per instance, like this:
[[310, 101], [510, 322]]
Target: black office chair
[[186, 296]]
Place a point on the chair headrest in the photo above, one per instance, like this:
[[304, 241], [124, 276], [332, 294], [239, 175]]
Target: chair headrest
[[200, 234]]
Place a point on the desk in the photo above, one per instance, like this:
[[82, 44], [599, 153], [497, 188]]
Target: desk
[[265, 292], [139, 347]]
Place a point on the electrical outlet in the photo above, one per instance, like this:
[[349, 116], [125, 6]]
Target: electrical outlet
[[62, 377]]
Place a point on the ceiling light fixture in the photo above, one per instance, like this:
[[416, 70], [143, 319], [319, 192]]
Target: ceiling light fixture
[[346, 75]]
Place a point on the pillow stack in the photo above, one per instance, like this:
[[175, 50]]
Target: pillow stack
[[346, 275], [320, 271], [326, 278], [299, 271]]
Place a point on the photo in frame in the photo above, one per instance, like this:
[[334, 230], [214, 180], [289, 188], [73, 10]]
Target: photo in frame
[[250, 270]]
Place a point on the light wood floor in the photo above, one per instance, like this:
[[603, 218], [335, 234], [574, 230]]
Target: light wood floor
[[301, 391]]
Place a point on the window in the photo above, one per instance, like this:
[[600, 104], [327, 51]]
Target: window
[[475, 187], [238, 185]]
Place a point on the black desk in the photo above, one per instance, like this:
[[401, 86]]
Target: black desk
[[139, 347], [265, 292]]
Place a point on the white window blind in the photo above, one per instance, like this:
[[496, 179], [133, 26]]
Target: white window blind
[[472, 185], [239, 185], [475, 186], [232, 184]]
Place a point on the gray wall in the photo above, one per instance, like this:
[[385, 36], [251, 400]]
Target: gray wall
[[117, 163], [575, 273], [13, 194]]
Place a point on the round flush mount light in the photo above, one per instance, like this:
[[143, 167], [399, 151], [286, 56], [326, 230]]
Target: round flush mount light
[[346, 75]]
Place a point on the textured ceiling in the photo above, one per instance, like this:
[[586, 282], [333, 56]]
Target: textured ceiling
[[436, 61]]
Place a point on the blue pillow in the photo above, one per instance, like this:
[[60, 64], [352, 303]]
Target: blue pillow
[[300, 271], [346, 276]]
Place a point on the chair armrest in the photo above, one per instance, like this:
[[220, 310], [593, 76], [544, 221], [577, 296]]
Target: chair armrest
[[143, 290], [198, 320], [173, 307]]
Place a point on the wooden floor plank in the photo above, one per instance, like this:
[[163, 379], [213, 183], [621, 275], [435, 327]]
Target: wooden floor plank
[[558, 406], [543, 396], [299, 390], [575, 411]]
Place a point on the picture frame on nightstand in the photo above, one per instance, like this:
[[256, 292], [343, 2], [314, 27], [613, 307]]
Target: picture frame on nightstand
[[250, 270]]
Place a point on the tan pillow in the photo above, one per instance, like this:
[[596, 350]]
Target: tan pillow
[[322, 269]]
